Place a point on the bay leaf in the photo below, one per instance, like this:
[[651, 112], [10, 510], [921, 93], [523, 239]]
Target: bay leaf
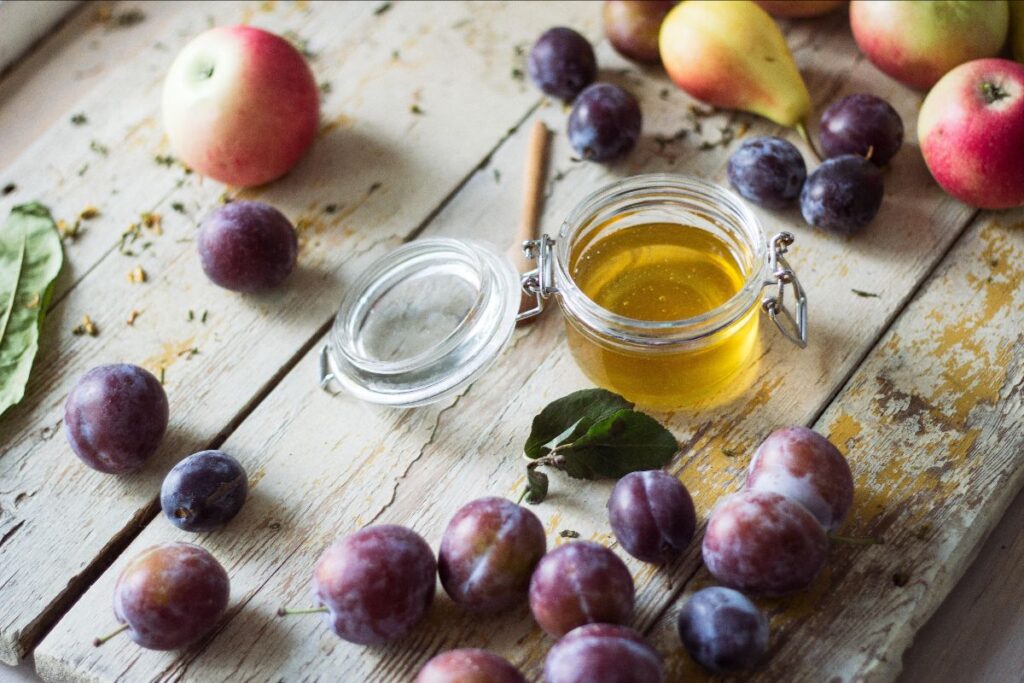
[[30, 259]]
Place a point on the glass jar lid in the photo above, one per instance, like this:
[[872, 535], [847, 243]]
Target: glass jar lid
[[422, 322]]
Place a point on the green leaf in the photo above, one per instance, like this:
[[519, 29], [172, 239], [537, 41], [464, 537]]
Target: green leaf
[[536, 486], [30, 259], [624, 442], [568, 418]]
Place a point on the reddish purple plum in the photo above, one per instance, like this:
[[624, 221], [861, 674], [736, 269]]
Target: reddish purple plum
[[652, 515], [376, 583], [765, 544], [488, 554], [580, 583], [115, 417], [804, 466], [723, 630], [469, 666], [247, 246], [603, 652], [170, 596]]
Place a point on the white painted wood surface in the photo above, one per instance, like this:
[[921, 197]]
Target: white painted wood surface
[[322, 466]]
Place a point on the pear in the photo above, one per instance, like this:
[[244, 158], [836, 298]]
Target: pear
[[732, 55]]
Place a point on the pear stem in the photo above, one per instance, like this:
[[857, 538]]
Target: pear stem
[[288, 612], [801, 129], [96, 642], [855, 540]]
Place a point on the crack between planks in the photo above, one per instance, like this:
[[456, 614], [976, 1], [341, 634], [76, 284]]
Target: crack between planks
[[844, 382]]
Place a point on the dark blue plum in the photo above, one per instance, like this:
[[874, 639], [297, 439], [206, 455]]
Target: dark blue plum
[[204, 491], [864, 125], [843, 194], [604, 123], [247, 246], [723, 630], [768, 171], [562, 63], [115, 417]]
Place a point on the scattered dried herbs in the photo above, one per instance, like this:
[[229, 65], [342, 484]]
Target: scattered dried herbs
[[866, 295], [415, 109], [299, 43], [381, 9], [164, 160], [30, 259], [518, 74], [87, 326], [593, 434], [326, 88], [8, 189], [497, 176], [99, 148], [79, 119], [178, 206], [569, 533]]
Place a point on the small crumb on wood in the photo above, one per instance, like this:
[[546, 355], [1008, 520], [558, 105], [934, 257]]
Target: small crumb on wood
[[131, 317], [137, 275]]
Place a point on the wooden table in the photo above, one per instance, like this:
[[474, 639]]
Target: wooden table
[[918, 381]]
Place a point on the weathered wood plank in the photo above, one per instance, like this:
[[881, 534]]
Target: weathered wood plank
[[978, 632], [328, 465], [41, 89], [383, 166], [931, 425]]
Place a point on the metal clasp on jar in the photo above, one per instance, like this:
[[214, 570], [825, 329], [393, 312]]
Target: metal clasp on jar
[[539, 282], [793, 328]]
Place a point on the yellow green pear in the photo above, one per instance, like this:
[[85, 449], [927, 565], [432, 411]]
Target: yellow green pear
[[732, 54]]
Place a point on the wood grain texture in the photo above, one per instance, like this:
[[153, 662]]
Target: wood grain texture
[[383, 167], [978, 632], [323, 466]]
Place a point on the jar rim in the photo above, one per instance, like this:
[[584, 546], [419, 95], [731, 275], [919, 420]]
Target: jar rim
[[670, 188]]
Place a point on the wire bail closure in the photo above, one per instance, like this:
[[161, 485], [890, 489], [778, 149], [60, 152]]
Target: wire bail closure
[[539, 282], [793, 328]]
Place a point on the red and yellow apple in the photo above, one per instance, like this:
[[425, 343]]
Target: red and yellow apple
[[971, 131], [799, 8], [918, 42], [240, 105]]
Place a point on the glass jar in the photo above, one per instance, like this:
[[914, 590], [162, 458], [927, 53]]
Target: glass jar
[[676, 362], [430, 317]]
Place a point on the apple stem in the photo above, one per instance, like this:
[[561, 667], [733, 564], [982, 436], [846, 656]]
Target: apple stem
[[96, 642], [287, 611], [801, 129], [855, 540]]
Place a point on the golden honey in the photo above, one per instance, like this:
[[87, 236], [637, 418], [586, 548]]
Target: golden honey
[[662, 272]]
